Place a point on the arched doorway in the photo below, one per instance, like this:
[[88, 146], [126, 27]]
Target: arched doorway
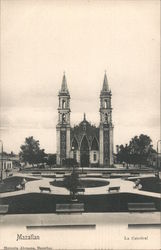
[[84, 153], [75, 148]]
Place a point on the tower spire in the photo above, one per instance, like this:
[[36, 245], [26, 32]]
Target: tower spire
[[63, 125], [105, 135], [64, 88], [105, 87]]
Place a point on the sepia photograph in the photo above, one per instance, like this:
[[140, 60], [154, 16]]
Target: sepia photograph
[[80, 142]]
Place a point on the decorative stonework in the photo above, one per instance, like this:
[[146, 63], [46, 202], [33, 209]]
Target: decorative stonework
[[106, 146], [62, 144]]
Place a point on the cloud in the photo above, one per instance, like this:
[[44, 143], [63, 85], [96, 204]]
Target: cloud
[[21, 117], [33, 97]]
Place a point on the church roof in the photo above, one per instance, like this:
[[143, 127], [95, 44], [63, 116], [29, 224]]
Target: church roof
[[85, 128], [84, 122], [64, 88]]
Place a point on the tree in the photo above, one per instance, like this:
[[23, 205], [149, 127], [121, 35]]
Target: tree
[[72, 182], [123, 154], [51, 159], [137, 151], [12, 154], [31, 152], [140, 149]]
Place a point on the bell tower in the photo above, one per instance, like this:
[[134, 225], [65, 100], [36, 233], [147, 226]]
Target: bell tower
[[63, 125], [106, 126]]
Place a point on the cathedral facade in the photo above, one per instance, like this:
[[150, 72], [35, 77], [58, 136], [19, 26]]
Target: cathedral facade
[[89, 145]]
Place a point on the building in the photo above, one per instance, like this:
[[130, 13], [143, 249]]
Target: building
[[88, 144], [6, 164], [9, 161], [154, 160]]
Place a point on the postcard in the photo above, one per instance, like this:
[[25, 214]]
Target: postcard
[[80, 146]]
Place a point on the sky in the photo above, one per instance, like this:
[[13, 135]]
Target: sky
[[42, 39]]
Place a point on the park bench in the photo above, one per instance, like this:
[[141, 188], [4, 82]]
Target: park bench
[[117, 188], [82, 175], [59, 175], [36, 173], [94, 175], [104, 175], [68, 208], [3, 209], [50, 175], [45, 189], [80, 190], [143, 207]]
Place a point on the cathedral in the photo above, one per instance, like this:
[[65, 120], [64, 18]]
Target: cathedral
[[89, 145]]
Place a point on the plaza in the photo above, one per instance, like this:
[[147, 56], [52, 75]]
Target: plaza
[[42, 194], [33, 211]]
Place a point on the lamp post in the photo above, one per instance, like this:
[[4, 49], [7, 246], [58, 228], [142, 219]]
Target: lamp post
[[82, 165], [158, 152], [73, 178], [73, 157], [1, 159]]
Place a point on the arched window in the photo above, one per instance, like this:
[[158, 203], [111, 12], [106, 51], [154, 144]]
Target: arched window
[[84, 144], [63, 104], [63, 118], [75, 144], [94, 144], [106, 117], [94, 156], [105, 104]]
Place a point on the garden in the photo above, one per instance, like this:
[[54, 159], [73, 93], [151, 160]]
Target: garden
[[10, 184], [45, 202]]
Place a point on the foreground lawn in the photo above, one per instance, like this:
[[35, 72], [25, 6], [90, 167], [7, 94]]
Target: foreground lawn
[[9, 184], [46, 203], [151, 184]]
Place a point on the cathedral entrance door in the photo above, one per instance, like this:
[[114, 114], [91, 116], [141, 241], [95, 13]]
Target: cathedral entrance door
[[84, 153], [84, 159]]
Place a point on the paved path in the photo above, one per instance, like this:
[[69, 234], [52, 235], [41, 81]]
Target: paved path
[[143, 176], [99, 218], [125, 187]]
